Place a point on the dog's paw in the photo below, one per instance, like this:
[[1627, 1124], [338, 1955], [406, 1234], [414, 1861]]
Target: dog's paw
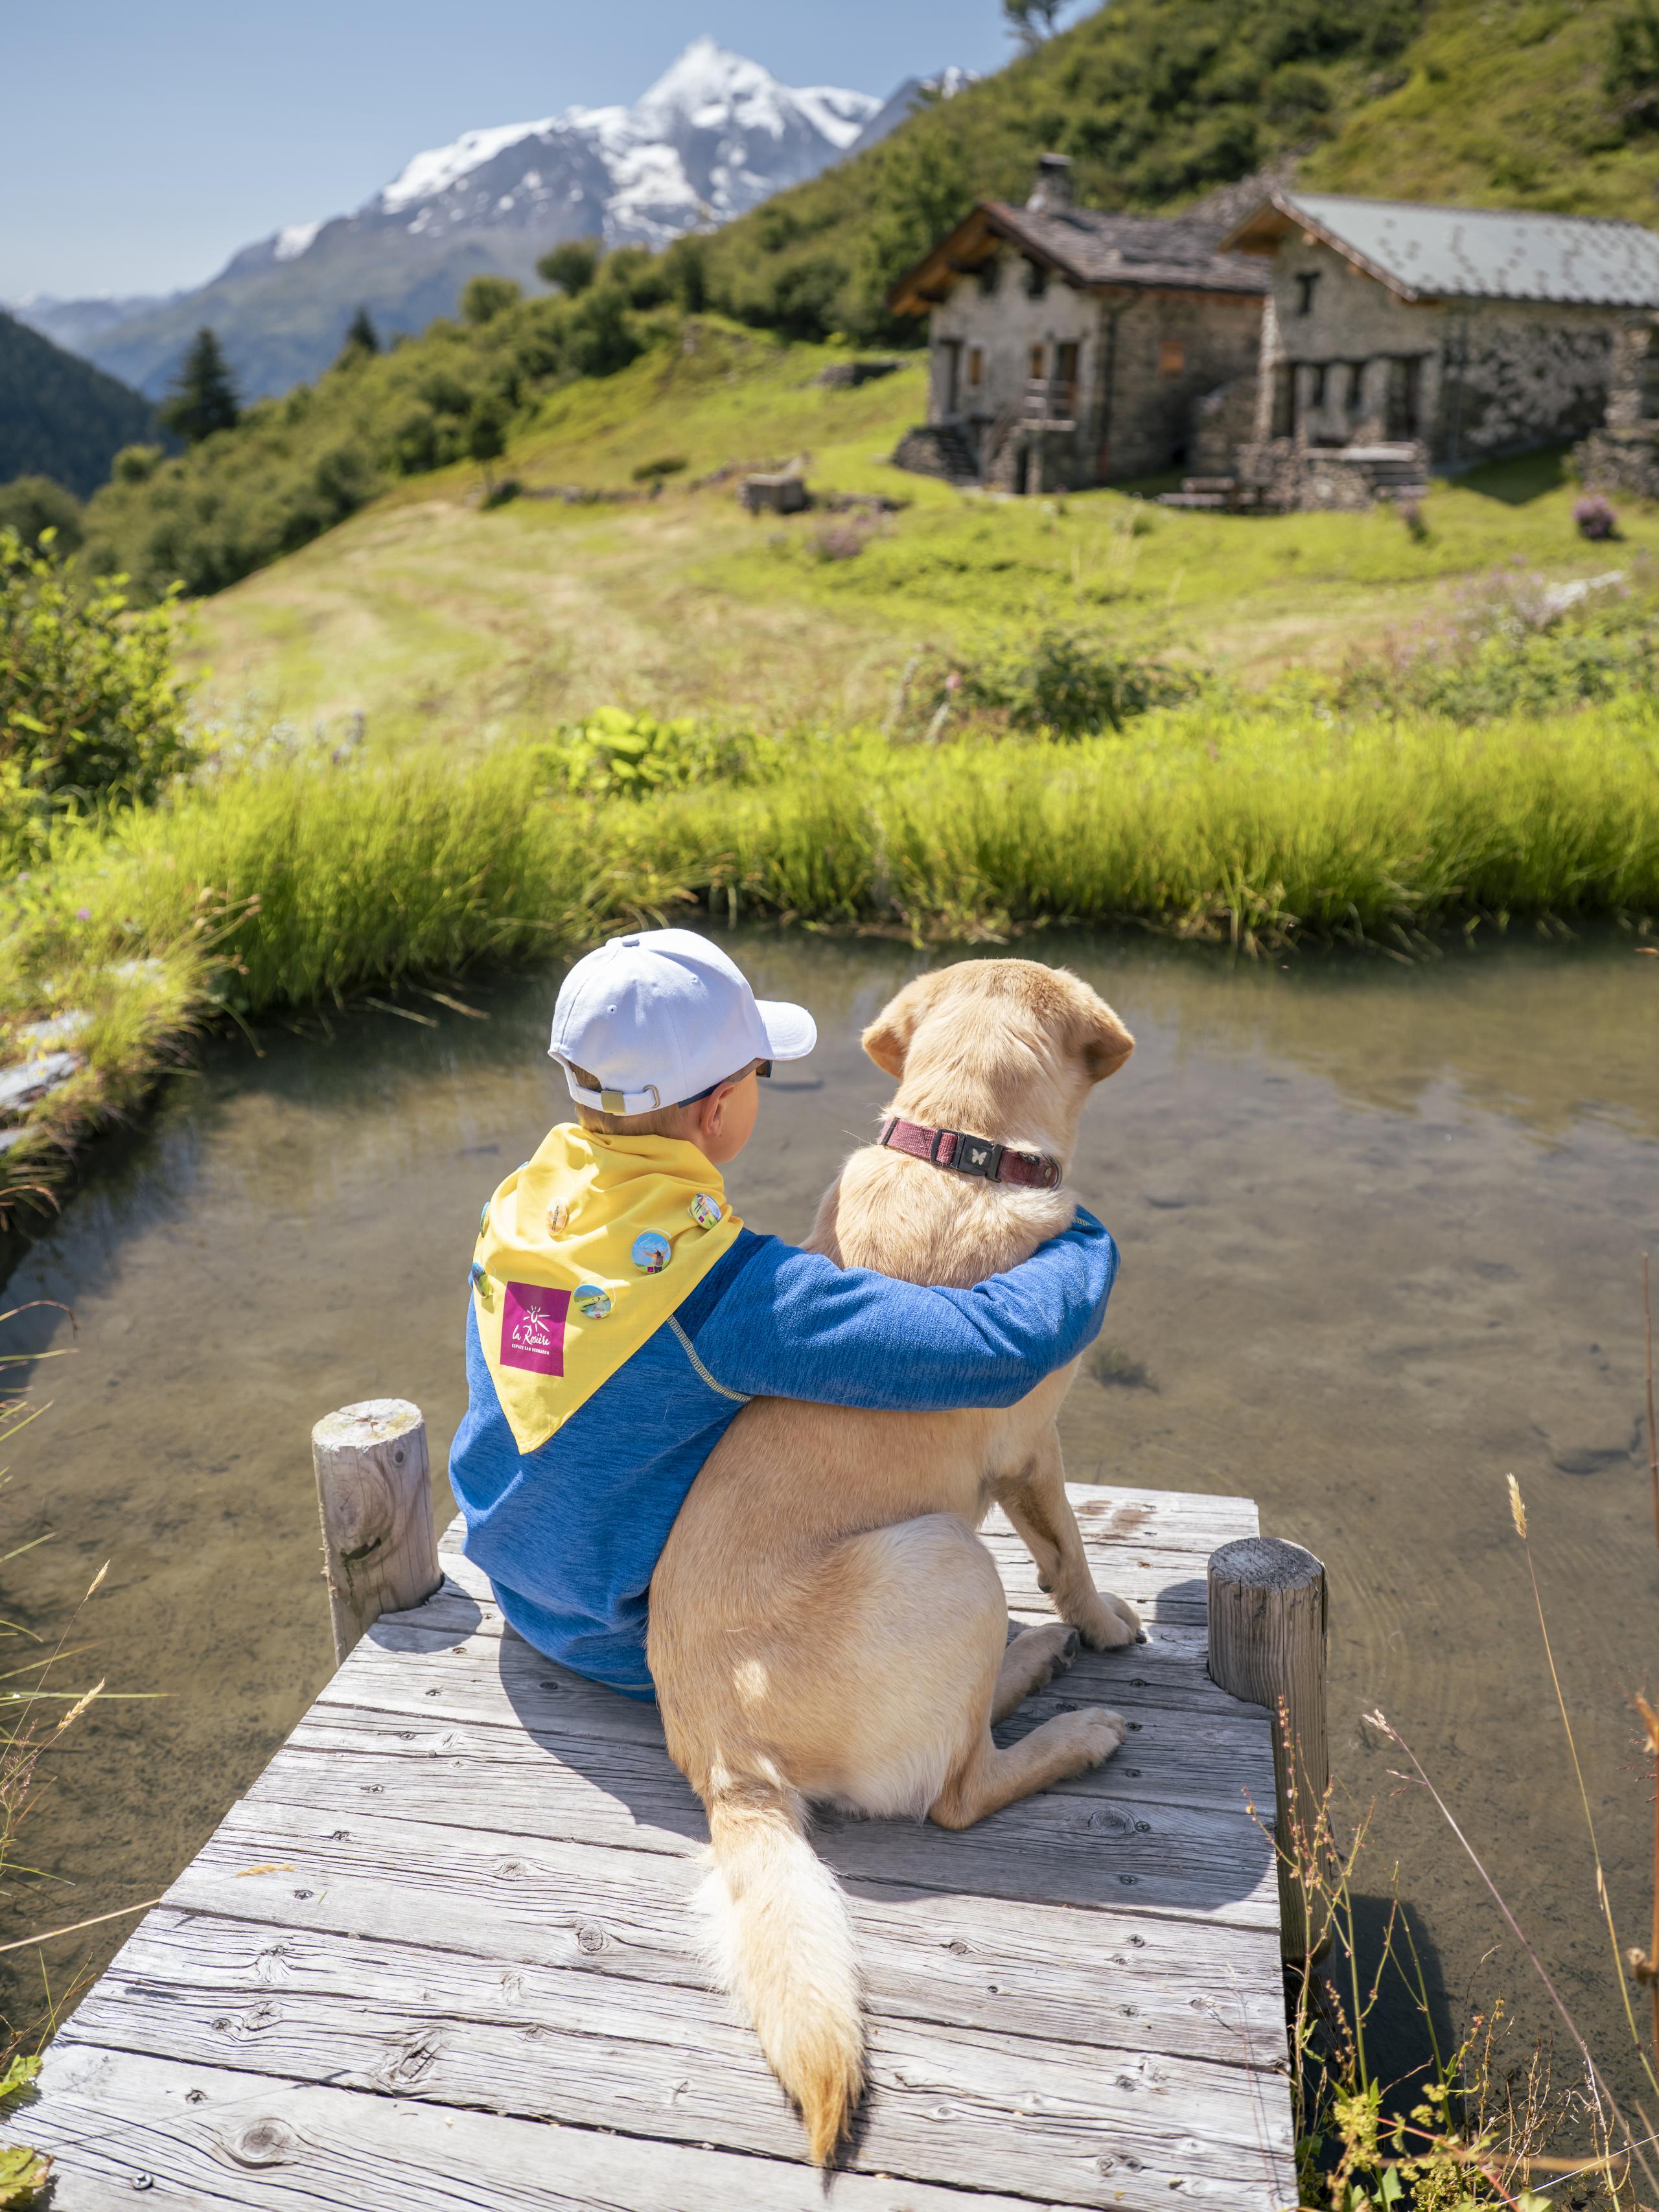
[[1049, 1650], [1096, 1733], [1108, 1623]]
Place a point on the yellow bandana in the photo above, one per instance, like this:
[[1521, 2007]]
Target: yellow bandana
[[582, 1253]]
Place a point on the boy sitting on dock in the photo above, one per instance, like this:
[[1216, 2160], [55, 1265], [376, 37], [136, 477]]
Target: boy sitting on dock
[[620, 1315]]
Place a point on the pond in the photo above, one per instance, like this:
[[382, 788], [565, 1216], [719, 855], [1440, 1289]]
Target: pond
[[1381, 1229]]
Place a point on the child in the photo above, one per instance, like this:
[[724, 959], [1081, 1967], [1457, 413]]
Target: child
[[621, 1314]]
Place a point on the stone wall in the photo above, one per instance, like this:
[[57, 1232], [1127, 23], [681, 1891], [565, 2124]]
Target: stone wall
[[1144, 359], [1345, 360], [1223, 420]]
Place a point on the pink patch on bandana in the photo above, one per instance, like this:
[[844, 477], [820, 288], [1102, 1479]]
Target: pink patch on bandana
[[532, 1329]]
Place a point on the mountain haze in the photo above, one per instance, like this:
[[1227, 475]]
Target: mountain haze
[[713, 137]]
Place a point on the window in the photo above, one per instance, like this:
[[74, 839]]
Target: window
[[1171, 357], [989, 271], [975, 368], [1037, 361], [1306, 285], [1036, 280], [1356, 385], [1316, 385]]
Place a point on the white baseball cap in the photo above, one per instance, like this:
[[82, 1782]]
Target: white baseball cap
[[664, 1015]]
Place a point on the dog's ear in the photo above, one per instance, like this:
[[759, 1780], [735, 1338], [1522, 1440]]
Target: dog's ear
[[887, 1039], [1106, 1044]]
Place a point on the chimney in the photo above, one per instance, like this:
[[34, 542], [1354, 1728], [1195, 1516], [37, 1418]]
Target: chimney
[[1053, 190]]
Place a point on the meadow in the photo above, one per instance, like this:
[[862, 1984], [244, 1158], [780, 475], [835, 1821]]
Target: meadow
[[461, 728]]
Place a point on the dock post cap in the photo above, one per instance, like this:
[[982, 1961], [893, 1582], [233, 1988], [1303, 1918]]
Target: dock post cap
[[371, 1421], [1266, 1563]]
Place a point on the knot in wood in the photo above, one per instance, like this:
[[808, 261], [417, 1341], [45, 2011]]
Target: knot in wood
[[263, 2142], [590, 1936]]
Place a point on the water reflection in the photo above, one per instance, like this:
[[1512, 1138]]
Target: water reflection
[[1381, 1231]]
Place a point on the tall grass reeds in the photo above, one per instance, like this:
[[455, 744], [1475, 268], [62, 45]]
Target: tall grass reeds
[[279, 888]]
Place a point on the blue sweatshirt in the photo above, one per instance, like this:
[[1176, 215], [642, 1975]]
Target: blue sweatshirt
[[569, 1536]]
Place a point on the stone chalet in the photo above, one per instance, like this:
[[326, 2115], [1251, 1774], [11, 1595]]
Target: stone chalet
[[1449, 335], [1072, 348], [1295, 350]]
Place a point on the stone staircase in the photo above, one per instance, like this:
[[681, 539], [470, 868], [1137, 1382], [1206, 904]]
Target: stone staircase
[[938, 449]]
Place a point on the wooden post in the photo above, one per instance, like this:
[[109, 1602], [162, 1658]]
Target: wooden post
[[1267, 1603], [380, 1545]]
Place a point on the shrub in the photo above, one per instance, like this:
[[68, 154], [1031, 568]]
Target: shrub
[[617, 755], [1065, 683], [670, 465], [32, 505], [1595, 516], [487, 296], [572, 266], [90, 705]]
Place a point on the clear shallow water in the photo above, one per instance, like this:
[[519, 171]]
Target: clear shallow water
[[1382, 1232]]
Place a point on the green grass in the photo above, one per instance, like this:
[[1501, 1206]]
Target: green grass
[[437, 619], [273, 890]]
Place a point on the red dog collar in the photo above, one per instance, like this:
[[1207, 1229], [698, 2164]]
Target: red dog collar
[[972, 1156]]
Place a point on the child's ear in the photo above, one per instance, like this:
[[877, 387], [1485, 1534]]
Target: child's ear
[[887, 1039]]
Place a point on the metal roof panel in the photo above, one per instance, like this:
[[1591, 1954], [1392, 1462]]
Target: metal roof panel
[[1490, 253]]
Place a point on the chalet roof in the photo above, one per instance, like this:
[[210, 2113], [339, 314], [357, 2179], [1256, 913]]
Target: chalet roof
[[1475, 253], [1102, 253]]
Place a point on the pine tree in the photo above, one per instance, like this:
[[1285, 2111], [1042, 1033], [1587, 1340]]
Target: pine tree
[[203, 398], [360, 337], [1032, 22]]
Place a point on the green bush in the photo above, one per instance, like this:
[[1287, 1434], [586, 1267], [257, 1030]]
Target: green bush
[[1061, 683], [615, 754], [91, 707], [32, 505]]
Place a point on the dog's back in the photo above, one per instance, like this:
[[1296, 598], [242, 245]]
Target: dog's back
[[791, 1659]]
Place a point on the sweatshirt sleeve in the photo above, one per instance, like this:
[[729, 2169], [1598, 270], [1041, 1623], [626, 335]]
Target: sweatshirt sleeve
[[795, 1325]]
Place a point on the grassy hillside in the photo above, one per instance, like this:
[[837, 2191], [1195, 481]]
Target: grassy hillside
[[1493, 102], [59, 416], [431, 614], [1532, 102]]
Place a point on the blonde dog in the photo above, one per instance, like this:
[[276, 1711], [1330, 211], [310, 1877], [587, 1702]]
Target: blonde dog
[[824, 1625]]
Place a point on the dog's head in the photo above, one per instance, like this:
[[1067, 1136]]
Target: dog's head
[[1008, 1039]]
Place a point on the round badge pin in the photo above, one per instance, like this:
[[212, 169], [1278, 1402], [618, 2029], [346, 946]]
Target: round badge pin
[[652, 1252], [591, 1302], [705, 1210], [558, 1219], [484, 1287], [483, 1219]]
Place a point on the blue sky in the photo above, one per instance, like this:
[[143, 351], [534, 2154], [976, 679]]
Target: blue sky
[[144, 144]]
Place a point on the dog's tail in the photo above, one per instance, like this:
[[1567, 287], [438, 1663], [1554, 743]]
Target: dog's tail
[[782, 1941]]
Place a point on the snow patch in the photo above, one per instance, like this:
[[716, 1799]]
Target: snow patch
[[292, 242], [440, 166]]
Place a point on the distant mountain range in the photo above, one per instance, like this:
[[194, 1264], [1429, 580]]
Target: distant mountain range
[[713, 137]]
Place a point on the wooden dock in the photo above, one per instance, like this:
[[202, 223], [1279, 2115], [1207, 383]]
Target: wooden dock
[[442, 1954]]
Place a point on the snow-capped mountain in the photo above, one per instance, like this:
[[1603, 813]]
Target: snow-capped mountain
[[713, 135]]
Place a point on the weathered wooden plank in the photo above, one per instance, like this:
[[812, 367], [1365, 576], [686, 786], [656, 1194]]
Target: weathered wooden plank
[[944, 2104], [1130, 1981], [1209, 1753], [1062, 1847], [208, 2136]]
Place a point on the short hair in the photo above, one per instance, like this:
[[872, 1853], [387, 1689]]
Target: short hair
[[661, 1121]]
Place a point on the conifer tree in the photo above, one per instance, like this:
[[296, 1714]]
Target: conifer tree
[[360, 337], [1032, 22], [203, 398]]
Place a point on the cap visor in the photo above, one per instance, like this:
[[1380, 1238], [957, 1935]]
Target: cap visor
[[791, 1032]]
